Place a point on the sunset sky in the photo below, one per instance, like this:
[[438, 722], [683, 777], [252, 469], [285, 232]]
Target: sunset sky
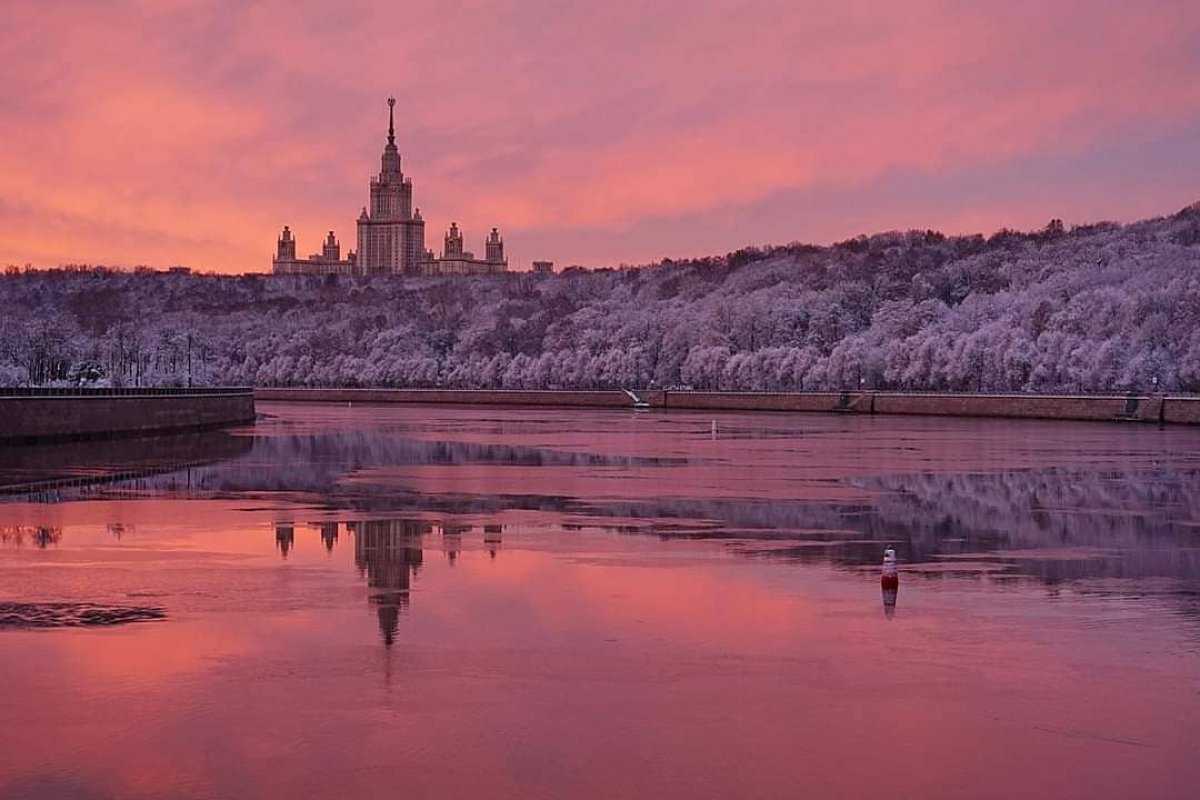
[[592, 133]]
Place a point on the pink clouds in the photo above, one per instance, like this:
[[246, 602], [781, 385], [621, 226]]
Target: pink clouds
[[190, 133]]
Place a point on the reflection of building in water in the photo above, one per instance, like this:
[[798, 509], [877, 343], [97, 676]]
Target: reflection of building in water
[[452, 539], [285, 537], [388, 554], [41, 536], [329, 534], [491, 538]]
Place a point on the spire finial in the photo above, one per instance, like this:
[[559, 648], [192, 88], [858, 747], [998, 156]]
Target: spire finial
[[391, 121]]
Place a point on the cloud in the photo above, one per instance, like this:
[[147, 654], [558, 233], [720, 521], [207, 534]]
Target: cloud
[[189, 133]]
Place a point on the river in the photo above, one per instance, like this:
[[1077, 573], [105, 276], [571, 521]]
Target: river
[[376, 601]]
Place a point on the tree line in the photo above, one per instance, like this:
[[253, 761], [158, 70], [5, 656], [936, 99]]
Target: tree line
[[1093, 308]]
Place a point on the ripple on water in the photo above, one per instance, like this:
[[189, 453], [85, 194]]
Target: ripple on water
[[74, 615]]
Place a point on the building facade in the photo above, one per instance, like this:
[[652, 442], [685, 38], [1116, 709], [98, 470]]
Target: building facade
[[391, 235], [457, 261], [328, 262]]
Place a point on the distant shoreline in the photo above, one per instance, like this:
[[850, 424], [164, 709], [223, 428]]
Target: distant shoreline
[[1143, 408]]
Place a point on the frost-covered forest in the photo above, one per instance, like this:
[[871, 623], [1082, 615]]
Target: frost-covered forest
[[1093, 308]]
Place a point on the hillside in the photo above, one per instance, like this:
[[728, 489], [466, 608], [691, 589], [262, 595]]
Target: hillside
[[1094, 308]]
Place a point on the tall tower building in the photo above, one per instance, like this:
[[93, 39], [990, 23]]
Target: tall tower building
[[391, 237]]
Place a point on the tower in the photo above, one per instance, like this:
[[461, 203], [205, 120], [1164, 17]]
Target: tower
[[286, 247], [453, 247], [494, 253], [331, 251], [391, 239], [391, 234]]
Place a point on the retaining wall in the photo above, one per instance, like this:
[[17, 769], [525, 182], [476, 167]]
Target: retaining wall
[[499, 397], [1182, 410], [39, 415], [1132, 408], [1115, 407], [774, 401]]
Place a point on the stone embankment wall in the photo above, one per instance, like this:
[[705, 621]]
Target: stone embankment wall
[[1182, 410], [1131, 408], [452, 397], [1116, 407], [43, 415], [770, 401]]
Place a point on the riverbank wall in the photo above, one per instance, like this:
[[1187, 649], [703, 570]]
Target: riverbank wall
[[34, 416], [1116, 408], [485, 397], [1182, 410], [1124, 408]]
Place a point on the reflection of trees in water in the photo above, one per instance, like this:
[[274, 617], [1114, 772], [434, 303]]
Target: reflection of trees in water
[[317, 462], [1133, 517], [1133, 523], [1127, 524]]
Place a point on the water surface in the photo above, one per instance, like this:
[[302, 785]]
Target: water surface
[[452, 602]]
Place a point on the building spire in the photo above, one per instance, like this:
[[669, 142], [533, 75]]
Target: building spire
[[390, 165]]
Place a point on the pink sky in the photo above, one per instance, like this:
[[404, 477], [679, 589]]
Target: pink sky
[[590, 133]]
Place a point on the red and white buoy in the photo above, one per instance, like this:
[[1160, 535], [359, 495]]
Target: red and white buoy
[[890, 578], [890, 581]]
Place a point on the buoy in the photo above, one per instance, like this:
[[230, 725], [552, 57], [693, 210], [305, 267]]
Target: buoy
[[890, 578], [890, 581]]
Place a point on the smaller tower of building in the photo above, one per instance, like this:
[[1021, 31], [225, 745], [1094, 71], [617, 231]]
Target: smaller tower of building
[[331, 251], [327, 262], [494, 253], [286, 250], [453, 247]]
